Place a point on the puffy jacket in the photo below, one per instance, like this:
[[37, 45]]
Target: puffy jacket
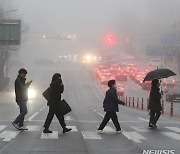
[[111, 101], [21, 89]]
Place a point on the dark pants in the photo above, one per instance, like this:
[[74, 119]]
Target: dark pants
[[53, 110], [23, 111], [107, 117], [154, 116]]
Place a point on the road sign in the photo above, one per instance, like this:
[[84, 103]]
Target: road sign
[[161, 50], [170, 39], [10, 32]]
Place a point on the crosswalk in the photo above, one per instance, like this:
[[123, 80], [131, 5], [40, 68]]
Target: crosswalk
[[137, 133]]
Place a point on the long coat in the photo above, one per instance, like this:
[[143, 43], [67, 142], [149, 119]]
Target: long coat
[[56, 89], [111, 101], [155, 100]]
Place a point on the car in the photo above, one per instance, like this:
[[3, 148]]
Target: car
[[120, 89], [105, 78], [114, 68], [146, 85], [121, 76], [102, 73], [173, 95], [155, 62], [168, 84]]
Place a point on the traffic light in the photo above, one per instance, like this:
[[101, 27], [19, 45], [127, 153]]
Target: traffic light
[[109, 40], [128, 39]]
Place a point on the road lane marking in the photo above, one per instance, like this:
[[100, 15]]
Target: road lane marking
[[91, 135], [35, 114], [172, 135], [53, 135], [8, 135], [175, 129], [100, 114], [33, 128], [108, 130], [134, 136], [142, 119], [2, 127], [139, 129], [68, 118]]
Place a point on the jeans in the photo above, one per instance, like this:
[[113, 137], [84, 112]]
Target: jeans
[[23, 111], [107, 117]]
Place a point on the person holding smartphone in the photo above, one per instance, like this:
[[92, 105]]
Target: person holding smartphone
[[21, 94]]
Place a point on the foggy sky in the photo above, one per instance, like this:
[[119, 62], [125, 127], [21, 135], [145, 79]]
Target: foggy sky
[[92, 17]]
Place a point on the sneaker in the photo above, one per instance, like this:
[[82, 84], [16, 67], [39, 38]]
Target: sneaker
[[23, 128], [100, 131], [15, 125], [65, 130], [152, 125], [47, 131], [119, 131]]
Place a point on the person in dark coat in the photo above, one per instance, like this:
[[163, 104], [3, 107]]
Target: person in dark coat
[[56, 89], [154, 103], [21, 93], [110, 105]]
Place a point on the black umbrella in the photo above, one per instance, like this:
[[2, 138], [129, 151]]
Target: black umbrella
[[158, 74]]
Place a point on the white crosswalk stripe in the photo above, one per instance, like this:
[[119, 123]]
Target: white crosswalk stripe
[[172, 135], [91, 135], [134, 136], [53, 135], [137, 136], [33, 128], [174, 129], [139, 129], [2, 127], [8, 135], [74, 129]]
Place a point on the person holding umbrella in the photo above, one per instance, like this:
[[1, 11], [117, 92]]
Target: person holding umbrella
[[154, 103]]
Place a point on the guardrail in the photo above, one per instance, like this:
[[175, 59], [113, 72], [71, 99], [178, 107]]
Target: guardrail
[[140, 103]]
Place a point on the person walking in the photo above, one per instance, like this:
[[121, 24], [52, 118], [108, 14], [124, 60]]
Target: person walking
[[154, 103], [110, 105], [21, 94], [56, 89]]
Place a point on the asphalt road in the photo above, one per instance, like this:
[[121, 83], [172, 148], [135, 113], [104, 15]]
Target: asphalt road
[[85, 96]]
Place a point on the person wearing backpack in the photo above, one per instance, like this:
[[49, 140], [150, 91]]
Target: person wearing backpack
[[56, 89]]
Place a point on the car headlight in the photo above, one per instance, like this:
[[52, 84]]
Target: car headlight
[[32, 93]]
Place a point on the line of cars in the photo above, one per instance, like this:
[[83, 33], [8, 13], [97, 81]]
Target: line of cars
[[114, 71], [121, 72], [170, 86]]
